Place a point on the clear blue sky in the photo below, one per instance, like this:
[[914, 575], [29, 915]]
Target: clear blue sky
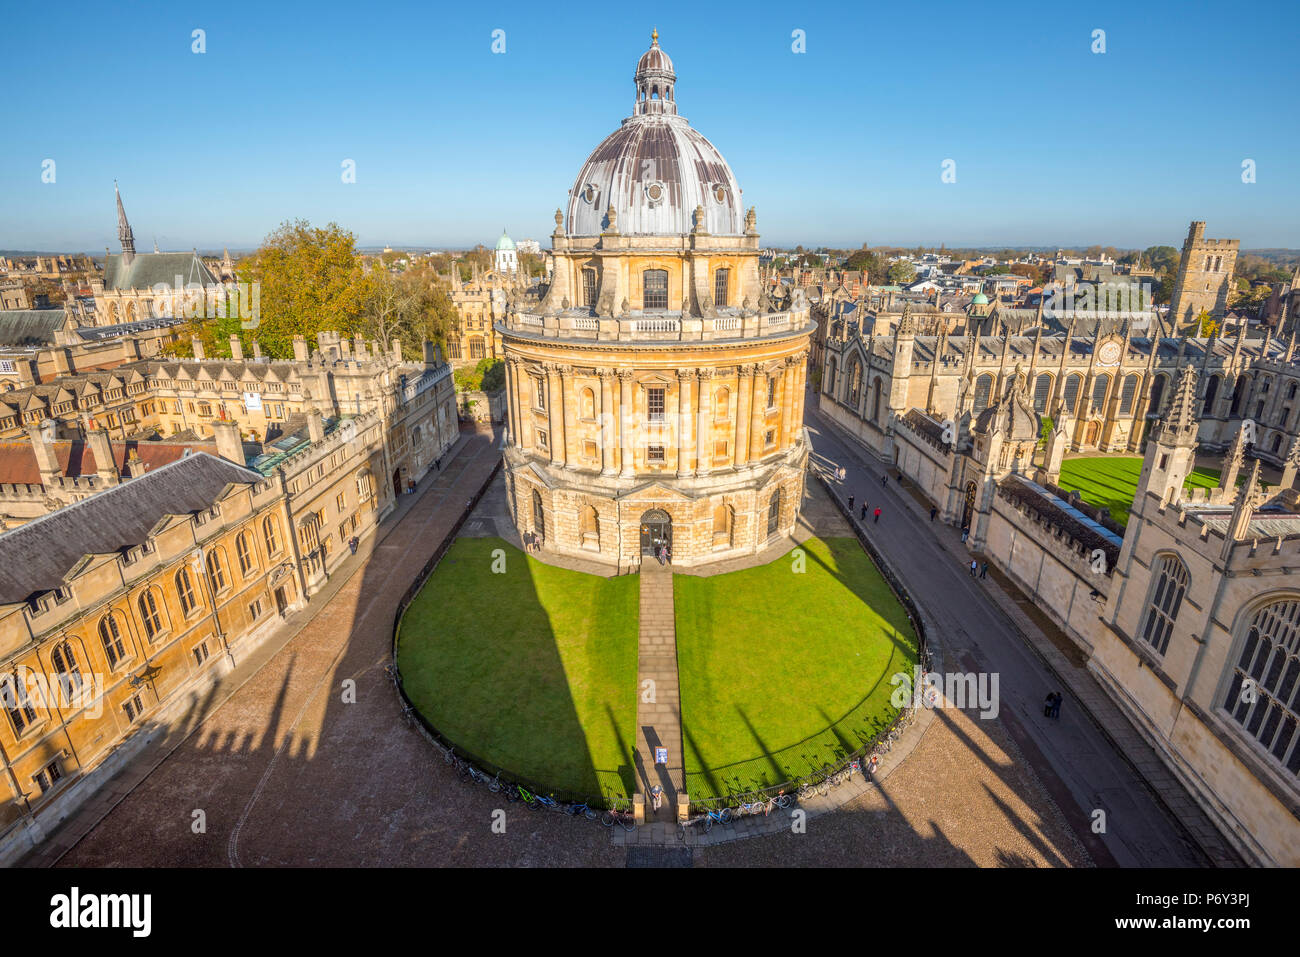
[[838, 145]]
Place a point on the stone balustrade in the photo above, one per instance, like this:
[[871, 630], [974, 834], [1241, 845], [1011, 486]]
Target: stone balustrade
[[657, 327]]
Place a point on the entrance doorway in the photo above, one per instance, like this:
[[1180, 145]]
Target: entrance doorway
[[656, 530], [968, 509], [397, 482], [281, 602]]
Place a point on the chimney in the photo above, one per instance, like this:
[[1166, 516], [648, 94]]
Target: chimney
[[43, 445], [105, 466], [315, 426], [26, 369], [61, 364], [300, 353], [130, 349], [257, 351], [198, 348], [230, 445], [236, 349], [397, 350], [345, 348], [432, 353]]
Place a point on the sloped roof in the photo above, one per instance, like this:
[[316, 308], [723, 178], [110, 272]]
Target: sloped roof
[[30, 327], [147, 270], [35, 557], [18, 465]]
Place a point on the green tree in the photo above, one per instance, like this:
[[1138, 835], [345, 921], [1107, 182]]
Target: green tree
[[312, 279], [901, 272]]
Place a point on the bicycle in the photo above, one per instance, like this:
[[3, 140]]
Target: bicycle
[[617, 815], [582, 810], [394, 675], [781, 800]]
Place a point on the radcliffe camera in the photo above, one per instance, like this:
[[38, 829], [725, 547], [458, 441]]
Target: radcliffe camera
[[651, 439]]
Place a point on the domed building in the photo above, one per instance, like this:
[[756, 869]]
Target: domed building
[[656, 390], [505, 261]]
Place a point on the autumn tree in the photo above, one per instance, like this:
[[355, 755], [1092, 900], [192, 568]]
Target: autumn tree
[[312, 279]]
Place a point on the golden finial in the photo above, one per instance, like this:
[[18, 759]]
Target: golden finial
[[654, 35]]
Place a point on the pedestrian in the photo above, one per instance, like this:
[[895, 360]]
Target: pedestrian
[[863, 516], [877, 515], [984, 570], [933, 512], [1056, 706], [973, 566], [965, 530], [353, 542], [884, 479], [850, 503], [872, 765], [1049, 704]]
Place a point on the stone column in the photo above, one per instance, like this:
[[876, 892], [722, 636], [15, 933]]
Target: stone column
[[554, 413], [703, 453], [787, 401], [744, 401], [608, 431], [566, 393], [757, 416], [512, 401], [626, 455], [684, 377], [524, 437]]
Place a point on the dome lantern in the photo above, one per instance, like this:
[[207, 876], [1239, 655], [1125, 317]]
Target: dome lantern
[[654, 80]]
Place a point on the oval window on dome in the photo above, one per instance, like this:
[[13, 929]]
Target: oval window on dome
[[655, 193], [719, 192], [589, 194]]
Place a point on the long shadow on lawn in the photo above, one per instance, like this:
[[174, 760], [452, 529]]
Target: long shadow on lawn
[[481, 660]]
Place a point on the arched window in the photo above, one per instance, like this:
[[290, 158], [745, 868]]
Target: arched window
[[773, 513], [589, 528], [1157, 395], [365, 486], [111, 637], [1073, 384], [1238, 394], [244, 553], [723, 516], [539, 516], [1042, 392], [271, 532], [150, 613], [722, 404], [185, 591], [855, 383], [830, 377], [1270, 660], [983, 386], [588, 404], [654, 289], [66, 670], [1277, 443], [1166, 599], [720, 281], [1290, 391], [217, 570], [476, 347], [1211, 392], [17, 704], [1127, 394], [1099, 389], [875, 401]]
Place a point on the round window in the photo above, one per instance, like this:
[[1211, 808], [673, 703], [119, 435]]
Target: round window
[[720, 192], [655, 192]]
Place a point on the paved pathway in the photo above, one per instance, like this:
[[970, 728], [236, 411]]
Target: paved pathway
[[659, 709], [1088, 764]]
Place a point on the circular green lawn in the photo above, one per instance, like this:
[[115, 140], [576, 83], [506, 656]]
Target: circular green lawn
[[533, 669]]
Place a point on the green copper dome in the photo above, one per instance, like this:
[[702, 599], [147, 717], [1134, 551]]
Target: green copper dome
[[505, 242], [980, 300]]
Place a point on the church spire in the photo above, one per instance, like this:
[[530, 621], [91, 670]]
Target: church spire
[[1180, 424], [124, 235]]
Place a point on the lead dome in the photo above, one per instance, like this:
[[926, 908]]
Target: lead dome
[[655, 170]]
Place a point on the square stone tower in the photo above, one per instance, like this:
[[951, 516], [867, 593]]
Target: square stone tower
[[1204, 279]]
